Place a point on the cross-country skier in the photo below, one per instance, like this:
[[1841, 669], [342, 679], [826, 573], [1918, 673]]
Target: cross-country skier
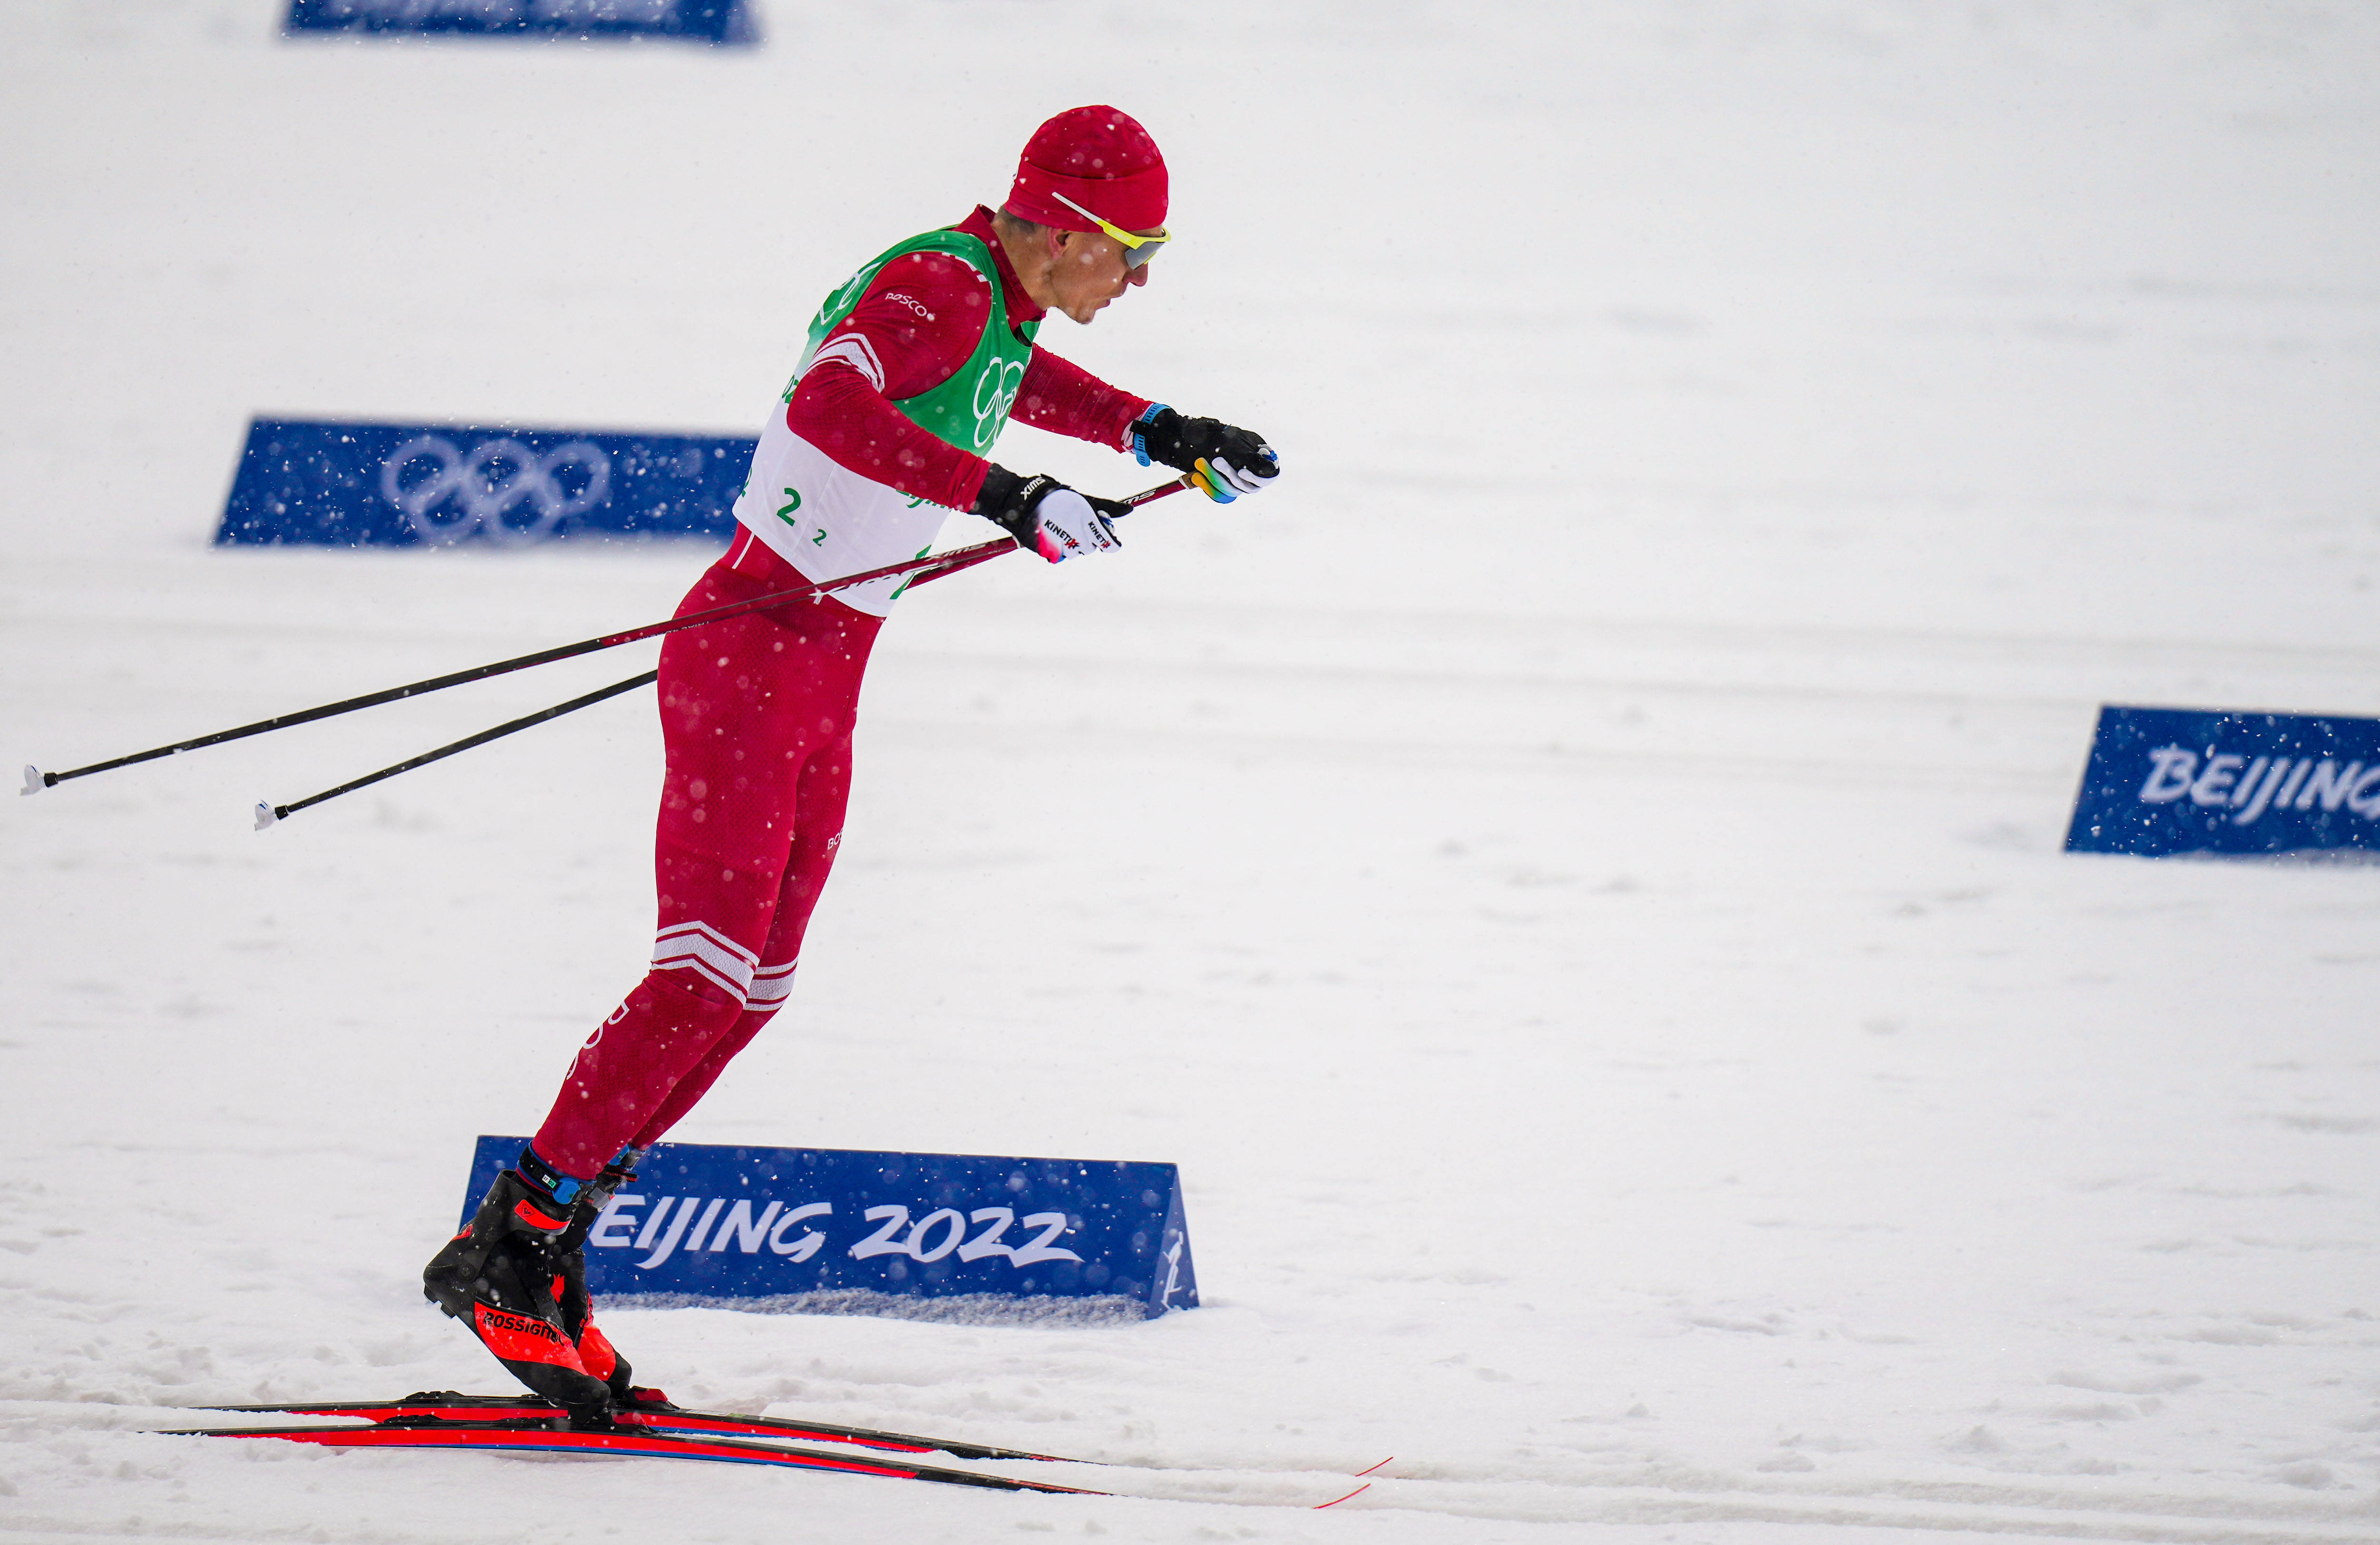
[[912, 368]]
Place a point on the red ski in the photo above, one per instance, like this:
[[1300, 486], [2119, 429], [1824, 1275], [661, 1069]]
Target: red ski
[[443, 1418], [658, 1416], [541, 1434]]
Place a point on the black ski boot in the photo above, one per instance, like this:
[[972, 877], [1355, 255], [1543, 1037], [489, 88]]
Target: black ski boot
[[596, 1353], [503, 1277]]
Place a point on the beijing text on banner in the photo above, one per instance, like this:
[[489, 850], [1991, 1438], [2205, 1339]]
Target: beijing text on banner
[[2167, 781], [350, 485], [713, 21], [785, 1229]]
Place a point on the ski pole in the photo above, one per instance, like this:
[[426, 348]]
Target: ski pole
[[266, 814], [933, 567], [1151, 495], [36, 780], [938, 566]]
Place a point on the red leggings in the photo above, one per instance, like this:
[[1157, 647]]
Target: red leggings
[[756, 715]]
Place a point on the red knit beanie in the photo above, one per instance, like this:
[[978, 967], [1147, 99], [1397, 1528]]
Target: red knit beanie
[[1098, 157]]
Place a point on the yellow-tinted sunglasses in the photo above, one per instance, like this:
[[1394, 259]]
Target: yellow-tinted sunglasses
[[1137, 250]]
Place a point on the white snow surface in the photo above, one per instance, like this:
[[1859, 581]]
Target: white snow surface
[[1573, 876]]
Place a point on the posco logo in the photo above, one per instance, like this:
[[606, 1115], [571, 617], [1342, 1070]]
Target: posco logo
[[2248, 786], [503, 490]]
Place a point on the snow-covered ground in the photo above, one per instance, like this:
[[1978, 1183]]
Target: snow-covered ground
[[1573, 876]]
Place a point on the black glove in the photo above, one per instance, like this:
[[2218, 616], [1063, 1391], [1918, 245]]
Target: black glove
[[1047, 517], [1223, 460]]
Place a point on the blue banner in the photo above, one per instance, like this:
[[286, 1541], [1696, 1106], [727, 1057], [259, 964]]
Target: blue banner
[[352, 485], [2167, 781], [806, 1230], [715, 22]]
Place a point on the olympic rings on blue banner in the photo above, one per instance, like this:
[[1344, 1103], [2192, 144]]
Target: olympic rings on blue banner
[[487, 486]]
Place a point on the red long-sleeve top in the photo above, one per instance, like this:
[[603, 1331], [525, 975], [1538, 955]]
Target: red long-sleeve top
[[916, 323]]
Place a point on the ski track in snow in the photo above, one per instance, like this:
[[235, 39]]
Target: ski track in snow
[[1572, 876]]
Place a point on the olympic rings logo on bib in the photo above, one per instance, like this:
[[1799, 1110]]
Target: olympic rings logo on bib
[[448, 496], [995, 393]]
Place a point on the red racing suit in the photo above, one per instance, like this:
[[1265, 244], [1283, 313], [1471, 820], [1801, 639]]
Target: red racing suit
[[757, 712]]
